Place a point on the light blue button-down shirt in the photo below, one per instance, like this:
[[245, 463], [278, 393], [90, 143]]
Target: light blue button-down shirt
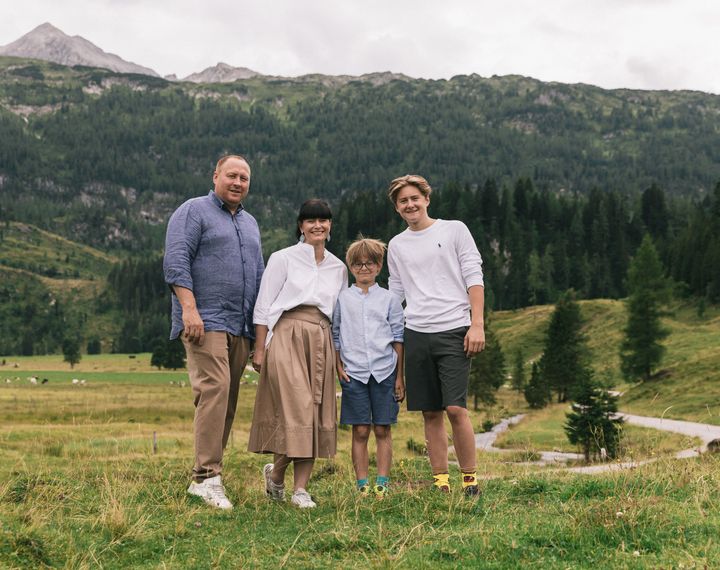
[[217, 255], [364, 327]]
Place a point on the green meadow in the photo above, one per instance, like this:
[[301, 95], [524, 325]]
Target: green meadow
[[82, 486]]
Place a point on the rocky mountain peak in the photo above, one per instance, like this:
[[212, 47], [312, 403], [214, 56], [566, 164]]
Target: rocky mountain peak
[[221, 73], [48, 43]]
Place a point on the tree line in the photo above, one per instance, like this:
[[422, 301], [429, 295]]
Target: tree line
[[535, 245], [109, 168], [538, 244]]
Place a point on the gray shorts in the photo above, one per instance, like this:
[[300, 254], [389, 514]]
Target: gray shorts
[[436, 370]]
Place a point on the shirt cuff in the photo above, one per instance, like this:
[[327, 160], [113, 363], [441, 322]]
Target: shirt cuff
[[184, 283], [474, 281]]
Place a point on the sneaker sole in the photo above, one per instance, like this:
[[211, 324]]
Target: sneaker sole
[[207, 501]]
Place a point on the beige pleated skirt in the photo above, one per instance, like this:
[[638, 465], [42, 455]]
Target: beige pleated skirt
[[295, 410]]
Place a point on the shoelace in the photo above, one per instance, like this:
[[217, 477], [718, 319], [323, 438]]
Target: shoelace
[[217, 492]]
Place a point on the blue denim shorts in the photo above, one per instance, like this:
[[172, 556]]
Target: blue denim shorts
[[371, 403]]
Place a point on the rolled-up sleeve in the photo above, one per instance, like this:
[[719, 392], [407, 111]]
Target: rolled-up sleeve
[[396, 319], [337, 317], [272, 283], [181, 243]]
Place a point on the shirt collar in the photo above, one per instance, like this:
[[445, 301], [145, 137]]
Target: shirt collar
[[220, 204], [359, 291], [310, 250]]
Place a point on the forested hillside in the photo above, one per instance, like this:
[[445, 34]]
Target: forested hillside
[[105, 157], [558, 183]]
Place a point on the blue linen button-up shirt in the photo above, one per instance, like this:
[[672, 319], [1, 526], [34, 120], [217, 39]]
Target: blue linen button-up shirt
[[217, 255], [364, 327]]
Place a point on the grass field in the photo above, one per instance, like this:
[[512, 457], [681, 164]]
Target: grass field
[[80, 487]]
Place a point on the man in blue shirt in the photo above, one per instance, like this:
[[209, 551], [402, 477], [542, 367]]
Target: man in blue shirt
[[213, 263]]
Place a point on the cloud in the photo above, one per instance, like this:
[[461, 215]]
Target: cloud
[[658, 44]]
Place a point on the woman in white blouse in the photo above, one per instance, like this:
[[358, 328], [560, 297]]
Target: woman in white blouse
[[295, 409]]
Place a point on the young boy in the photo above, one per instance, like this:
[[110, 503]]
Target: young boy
[[436, 268], [368, 334]]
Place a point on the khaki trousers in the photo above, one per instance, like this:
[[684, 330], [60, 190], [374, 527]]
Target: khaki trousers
[[215, 370]]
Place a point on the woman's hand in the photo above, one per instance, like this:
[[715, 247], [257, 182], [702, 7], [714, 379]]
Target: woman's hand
[[258, 358]]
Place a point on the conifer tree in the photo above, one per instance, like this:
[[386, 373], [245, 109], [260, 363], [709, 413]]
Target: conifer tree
[[488, 370], [174, 355], [593, 424], [71, 350], [518, 378], [563, 363], [654, 211], [537, 392], [641, 351]]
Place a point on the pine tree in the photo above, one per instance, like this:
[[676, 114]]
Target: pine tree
[[641, 351], [488, 370], [654, 211], [174, 355], [537, 392], [593, 424], [168, 354], [71, 350], [564, 358], [159, 353], [518, 378]]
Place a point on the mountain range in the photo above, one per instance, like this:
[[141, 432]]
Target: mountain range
[[48, 43]]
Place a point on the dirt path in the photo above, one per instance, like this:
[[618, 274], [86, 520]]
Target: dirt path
[[705, 432]]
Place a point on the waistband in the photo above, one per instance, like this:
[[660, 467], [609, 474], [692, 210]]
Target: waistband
[[308, 314]]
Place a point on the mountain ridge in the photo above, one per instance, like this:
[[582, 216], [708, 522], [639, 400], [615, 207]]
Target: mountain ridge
[[48, 43]]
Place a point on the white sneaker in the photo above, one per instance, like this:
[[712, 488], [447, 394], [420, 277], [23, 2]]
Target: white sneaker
[[273, 490], [301, 498], [212, 492]]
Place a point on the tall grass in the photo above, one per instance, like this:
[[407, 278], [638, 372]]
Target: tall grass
[[80, 487]]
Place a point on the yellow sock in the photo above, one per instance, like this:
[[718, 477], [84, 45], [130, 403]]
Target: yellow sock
[[442, 481], [469, 479]]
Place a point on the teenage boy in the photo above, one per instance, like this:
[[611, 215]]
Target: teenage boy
[[436, 268], [368, 334]]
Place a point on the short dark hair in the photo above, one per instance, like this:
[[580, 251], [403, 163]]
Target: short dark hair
[[313, 209]]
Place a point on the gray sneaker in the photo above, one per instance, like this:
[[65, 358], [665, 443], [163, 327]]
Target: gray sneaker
[[301, 498], [212, 492], [272, 490]]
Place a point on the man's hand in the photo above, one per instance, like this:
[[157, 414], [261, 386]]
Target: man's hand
[[474, 340], [193, 326]]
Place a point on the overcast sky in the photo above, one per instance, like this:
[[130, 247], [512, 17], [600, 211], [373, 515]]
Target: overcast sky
[[645, 44]]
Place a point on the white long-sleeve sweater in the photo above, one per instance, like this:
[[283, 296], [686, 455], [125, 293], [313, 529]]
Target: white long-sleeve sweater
[[432, 270]]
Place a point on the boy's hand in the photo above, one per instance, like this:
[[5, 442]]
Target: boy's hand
[[399, 390], [474, 340], [342, 375]]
